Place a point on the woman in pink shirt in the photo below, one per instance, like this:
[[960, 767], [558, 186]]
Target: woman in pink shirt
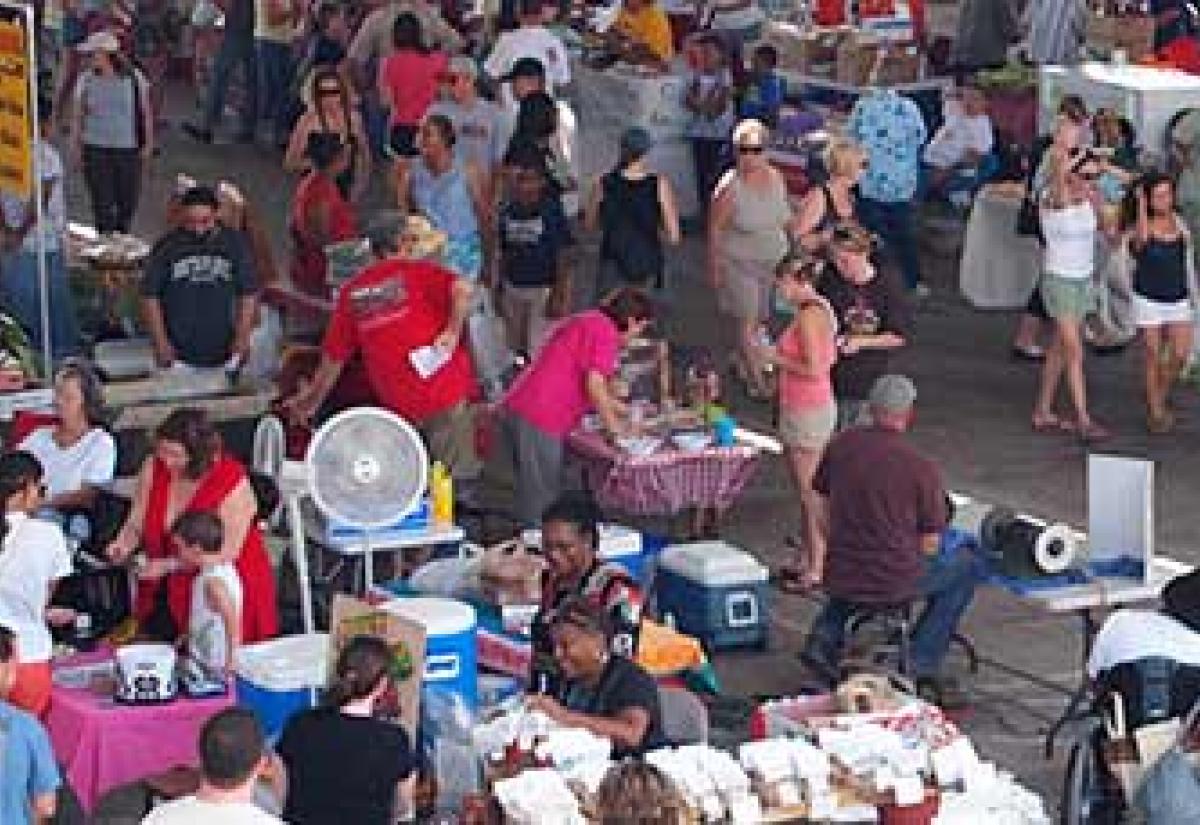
[[408, 83], [804, 355], [568, 377]]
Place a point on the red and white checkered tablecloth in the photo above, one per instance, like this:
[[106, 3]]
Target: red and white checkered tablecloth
[[665, 482]]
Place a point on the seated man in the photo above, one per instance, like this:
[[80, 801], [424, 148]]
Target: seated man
[[642, 33], [29, 780], [886, 511], [199, 296], [233, 756], [959, 158]]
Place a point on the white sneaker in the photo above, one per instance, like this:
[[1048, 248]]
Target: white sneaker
[[921, 291]]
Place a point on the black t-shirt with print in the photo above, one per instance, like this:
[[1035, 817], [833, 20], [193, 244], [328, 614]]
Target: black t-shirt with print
[[198, 279], [531, 238], [868, 309], [343, 769]]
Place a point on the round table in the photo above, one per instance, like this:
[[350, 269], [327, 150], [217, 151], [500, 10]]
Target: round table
[[663, 483], [998, 268]]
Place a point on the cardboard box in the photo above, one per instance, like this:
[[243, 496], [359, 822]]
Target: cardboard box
[[350, 618]]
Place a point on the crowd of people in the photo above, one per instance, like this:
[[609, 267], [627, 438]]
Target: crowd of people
[[482, 205]]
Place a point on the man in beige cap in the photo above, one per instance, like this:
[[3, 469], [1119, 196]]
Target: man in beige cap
[[886, 510], [478, 122]]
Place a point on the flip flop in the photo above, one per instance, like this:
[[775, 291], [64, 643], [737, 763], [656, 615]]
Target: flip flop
[[1051, 424], [1094, 433]]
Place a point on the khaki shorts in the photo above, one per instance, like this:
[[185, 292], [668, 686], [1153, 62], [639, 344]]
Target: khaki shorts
[[746, 291], [1067, 299], [808, 429], [450, 438]]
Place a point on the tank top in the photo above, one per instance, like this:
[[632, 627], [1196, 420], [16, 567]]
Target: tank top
[[756, 228], [109, 110], [631, 218], [1070, 240], [208, 640], [831, 217], [445, 199], [1160, 271], [805, 392]]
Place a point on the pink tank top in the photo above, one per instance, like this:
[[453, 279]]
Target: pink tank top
[[800, 393]]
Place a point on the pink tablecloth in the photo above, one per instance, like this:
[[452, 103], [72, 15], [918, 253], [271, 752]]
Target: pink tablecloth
[[102, 745], [665, 482]]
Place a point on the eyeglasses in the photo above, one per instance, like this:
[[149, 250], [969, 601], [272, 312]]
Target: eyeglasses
[[749, 150]]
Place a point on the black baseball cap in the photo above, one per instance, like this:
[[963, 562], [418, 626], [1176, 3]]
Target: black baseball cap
[[529, 67]]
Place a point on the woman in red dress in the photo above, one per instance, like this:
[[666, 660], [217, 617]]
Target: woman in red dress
[[189, 471], [320, 214]]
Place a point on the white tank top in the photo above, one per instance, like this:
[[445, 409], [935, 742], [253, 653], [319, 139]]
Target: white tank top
[[1070, 240], [207, 639]]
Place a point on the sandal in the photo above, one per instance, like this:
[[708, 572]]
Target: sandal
[[1160, 424], [1092, 432], [1051, 424]]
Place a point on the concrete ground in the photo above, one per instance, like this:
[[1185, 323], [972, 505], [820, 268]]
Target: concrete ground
[[974, 411]]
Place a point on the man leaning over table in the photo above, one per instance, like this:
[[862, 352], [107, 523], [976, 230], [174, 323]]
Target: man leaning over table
[[886, 509], [29, 778], [390, 309]]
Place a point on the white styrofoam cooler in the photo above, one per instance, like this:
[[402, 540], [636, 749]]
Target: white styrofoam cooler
[[715, 592], [1148, 97], [618, 544]]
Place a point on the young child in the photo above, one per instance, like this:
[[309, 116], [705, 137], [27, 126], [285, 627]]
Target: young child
[[533, 235], [214, 628], [709, 98], [30, 779], [764, 91]]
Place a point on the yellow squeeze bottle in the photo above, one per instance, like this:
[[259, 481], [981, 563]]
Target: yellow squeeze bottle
[[441, 491]]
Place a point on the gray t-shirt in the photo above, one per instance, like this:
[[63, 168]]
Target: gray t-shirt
[[479, 131], [109, 107]]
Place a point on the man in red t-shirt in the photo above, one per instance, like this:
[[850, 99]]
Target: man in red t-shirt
[[389, 310]]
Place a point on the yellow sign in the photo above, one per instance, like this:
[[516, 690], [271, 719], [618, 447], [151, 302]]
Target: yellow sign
[[16, 127]]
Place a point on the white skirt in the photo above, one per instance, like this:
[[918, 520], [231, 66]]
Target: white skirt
[[1150, 313]]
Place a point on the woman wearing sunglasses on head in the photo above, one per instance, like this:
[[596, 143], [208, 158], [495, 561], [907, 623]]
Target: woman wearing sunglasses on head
[[332, 109], [747, 237]]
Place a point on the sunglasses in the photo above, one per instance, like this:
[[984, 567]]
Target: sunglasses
[[749, 150], [329, 91]]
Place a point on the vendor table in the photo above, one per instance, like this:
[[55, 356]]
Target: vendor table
[[999, 268], [1100, 593], [663, 483], [32, 400], [610, 101], [146, 412], [1148, 96], [926, 92], [102, 745], [360, 549]]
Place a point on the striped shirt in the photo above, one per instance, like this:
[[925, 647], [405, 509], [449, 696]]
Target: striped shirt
[[1056, 29]]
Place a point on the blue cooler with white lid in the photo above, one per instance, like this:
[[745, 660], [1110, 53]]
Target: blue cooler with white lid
[[281, 677], [450, 644], [618, 544], [715, 592]]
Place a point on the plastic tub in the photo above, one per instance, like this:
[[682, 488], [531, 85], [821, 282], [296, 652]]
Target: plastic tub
[[450, 654]]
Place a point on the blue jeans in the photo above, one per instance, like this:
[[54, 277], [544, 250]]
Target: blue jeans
[[21, 292], [947, 585], [277, 71], [234, 52], [894, 224]]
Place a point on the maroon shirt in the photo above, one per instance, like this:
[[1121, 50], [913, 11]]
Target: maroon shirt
[[883, 496]]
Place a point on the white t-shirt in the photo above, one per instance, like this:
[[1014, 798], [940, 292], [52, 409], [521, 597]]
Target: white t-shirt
[[208, 641], [529, 41], [1129, 635], [54, 213], [193, 811], [91, 460], [32, 556], [1070, 240], [959, 134]]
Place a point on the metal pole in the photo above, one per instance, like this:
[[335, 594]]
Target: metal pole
[[300, 558], [25, 13]]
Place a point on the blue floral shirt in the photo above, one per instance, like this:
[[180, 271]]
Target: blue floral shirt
[[892, 131]]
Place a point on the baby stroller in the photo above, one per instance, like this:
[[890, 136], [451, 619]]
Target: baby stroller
[[1104, 763]]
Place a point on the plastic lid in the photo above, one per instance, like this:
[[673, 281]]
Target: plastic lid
[[439, 617], [287, 663], [712, 562], [616, 541]]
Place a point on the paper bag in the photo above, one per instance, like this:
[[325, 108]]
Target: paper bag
[[406, 639]]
